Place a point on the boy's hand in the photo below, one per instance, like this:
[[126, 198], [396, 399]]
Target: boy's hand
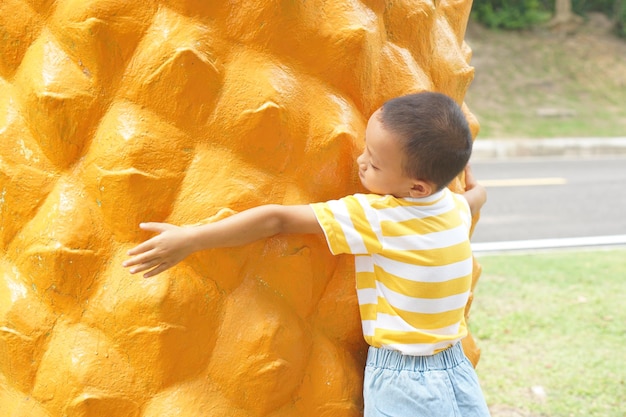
[[475, 194], [470, 181], [161, 252]]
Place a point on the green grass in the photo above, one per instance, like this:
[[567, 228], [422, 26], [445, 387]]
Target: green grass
[[578, 78], [553, 323], [532, 126]]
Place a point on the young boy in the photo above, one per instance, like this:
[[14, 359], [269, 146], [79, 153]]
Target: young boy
[[413, 260]]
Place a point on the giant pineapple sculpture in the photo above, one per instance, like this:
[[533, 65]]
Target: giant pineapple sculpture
[[114, 112]]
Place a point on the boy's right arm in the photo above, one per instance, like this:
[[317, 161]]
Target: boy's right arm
[[475, 194], [172, 244]]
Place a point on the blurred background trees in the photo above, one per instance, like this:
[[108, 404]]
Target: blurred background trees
[[525, 14]]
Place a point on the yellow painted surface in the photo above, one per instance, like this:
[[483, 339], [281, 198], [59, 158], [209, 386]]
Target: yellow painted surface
[[114, 112]]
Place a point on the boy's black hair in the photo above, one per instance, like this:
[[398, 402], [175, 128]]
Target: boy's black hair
[[435, 135]]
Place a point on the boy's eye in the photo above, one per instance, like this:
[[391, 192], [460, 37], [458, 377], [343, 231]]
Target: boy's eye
[[373, 166]]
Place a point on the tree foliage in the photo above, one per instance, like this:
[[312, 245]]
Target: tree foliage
[[510, 14], [524, 14]]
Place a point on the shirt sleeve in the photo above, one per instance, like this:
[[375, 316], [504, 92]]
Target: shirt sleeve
[[349, 225]]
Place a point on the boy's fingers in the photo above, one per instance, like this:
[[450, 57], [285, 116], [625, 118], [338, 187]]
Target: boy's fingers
[[139, 256], [150, 243], [143, 247], [136, 251], [154, 226], [145, 266], [144, 256], [156, 270]]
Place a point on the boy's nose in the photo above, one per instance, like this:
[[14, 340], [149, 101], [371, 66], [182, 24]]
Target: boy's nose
[[361, 160]]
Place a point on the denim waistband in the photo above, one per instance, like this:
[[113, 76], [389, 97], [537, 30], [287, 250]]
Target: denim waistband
[[394, 360]]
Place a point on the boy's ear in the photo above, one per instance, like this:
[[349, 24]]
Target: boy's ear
[[421, 189]]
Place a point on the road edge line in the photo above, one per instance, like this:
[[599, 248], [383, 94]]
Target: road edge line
[[544, 244]]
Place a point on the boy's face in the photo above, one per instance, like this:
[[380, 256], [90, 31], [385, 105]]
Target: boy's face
[[380, 164]]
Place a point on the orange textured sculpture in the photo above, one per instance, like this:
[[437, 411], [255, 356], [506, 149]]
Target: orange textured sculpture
[[114, 112]]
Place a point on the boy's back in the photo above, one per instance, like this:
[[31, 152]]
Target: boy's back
[[413, 266]]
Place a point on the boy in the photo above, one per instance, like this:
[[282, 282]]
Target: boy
[[413, 260]]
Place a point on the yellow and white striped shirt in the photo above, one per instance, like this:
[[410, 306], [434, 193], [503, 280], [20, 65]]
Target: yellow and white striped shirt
[[413, 266]]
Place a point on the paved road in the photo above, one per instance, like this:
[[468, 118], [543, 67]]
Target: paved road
[[552, 198]]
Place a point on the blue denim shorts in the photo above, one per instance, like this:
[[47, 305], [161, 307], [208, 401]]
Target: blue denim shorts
[[441, 385]]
